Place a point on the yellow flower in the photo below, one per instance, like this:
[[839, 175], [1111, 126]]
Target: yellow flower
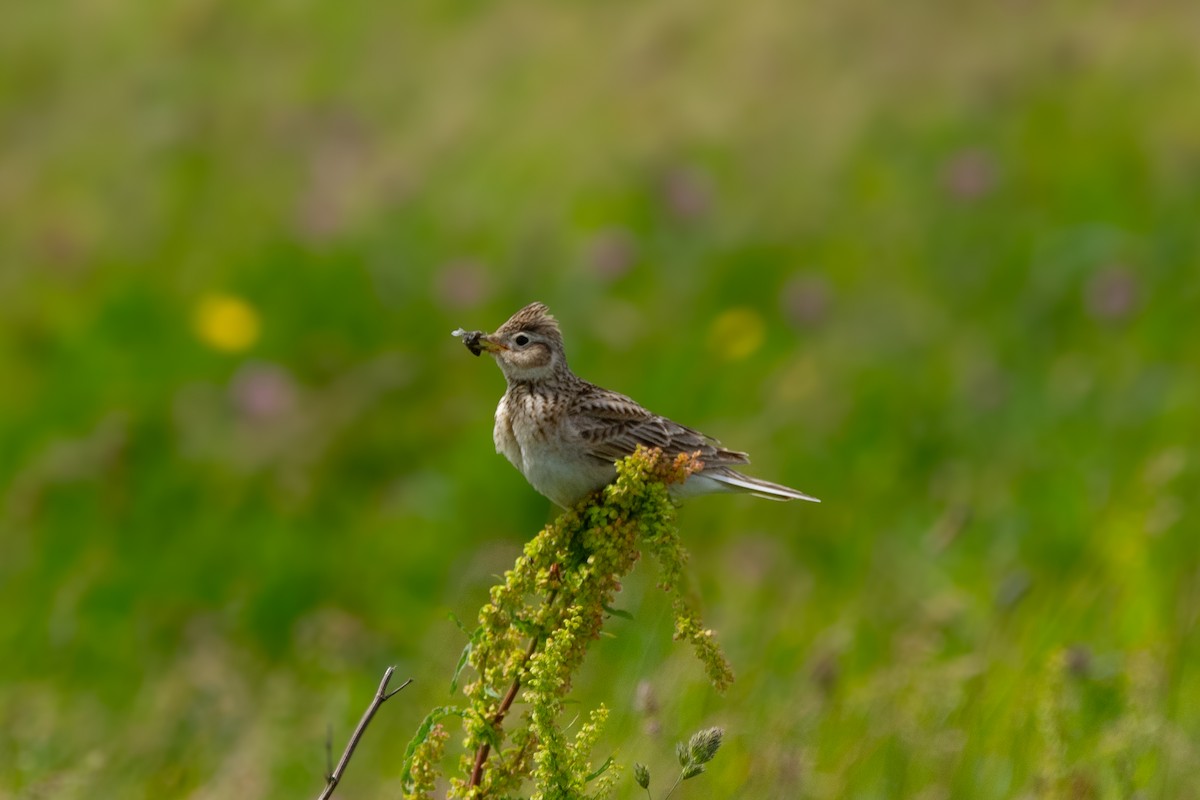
[[225, 322], [736, 333]]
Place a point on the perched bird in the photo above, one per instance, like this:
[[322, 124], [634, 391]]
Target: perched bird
[[565, 434]]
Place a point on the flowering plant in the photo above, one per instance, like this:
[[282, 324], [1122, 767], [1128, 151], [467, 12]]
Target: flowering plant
[[534, 633]]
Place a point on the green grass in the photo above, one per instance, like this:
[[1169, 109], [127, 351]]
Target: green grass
[[934, 264]]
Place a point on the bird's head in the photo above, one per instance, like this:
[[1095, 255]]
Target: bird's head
[[529, 346]]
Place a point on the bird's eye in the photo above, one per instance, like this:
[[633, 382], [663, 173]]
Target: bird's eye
[[520, 340]]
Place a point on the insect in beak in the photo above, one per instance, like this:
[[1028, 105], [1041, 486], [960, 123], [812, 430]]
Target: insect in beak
[[478, 341]]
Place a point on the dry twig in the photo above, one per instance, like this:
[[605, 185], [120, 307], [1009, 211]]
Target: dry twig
[[381, 695]]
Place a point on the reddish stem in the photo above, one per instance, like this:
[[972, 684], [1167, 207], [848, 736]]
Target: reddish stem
[[484, 749]]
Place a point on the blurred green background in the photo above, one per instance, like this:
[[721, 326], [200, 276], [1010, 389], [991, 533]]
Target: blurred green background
[[936, 263]]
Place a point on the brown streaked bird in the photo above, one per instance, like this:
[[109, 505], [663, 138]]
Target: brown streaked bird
[[565, 434]]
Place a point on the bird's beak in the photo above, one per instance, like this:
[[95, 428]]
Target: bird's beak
[[491, 344]]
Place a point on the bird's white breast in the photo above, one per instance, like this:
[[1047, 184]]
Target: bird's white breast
[[529, 433]]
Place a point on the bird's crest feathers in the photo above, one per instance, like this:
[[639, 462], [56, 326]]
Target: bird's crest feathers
[[535, 318]]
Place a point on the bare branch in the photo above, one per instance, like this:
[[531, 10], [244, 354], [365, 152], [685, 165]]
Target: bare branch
[[381, 695], [328, 750]]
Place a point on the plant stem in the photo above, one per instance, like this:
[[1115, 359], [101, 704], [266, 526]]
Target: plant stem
[[678, 781], [382, 695], [481, 755]]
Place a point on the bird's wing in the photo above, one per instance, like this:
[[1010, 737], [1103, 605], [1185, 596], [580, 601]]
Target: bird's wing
[[610, 426]]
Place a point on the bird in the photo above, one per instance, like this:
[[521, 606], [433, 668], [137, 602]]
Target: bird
[[565, 434]]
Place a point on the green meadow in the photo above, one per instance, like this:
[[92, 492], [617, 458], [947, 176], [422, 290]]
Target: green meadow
[[935, 263]]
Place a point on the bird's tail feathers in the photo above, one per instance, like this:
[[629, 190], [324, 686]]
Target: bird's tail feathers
[[738, 482]]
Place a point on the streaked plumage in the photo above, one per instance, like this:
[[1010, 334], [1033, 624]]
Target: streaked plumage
[[564, 434]]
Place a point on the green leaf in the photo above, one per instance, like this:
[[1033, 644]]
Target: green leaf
[[433, 718], [454, 618], [603, 768], [462, 663], [619, 612]]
